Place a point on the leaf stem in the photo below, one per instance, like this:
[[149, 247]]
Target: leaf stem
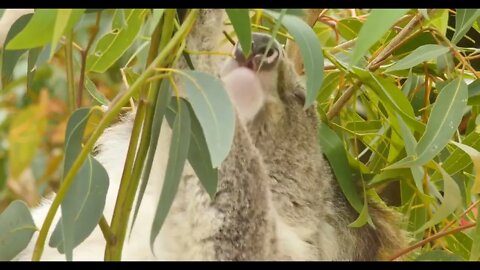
[[70, 76], [84, 53], [106, 120]]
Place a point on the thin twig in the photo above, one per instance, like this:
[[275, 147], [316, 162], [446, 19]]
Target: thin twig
[[396, 41], [84, 53], [375, 64], [107, 233], [429, 239]]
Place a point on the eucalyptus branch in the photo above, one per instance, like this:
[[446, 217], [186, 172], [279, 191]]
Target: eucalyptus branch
[[375, 64], [84, 53], [396, 41], [139, 143], [104, 123], [106, 231], [113, 251], [70, 76], [430, 239]]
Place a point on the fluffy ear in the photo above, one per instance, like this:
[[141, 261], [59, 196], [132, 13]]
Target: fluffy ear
[[245, 91]]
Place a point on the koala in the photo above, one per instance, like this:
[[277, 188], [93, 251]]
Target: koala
[[308, 202], [276, 197]]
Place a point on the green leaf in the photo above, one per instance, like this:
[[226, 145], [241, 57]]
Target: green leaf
[[392, 98], [214, 111], [163, 97], [464, 19], [438, 255], [330, 83], [349, 28], [44, 22], [85, 200], [332, 147], [362, 218], [16, 230], [439, 20], [240, 20], [410, 145], [115, 43], [156, 15], [10, 57], [451, 200], [310, 50], [65, 19], [378, 23], [92, 90], [458, 160], [475, 156], [419, 55], [31, 67], [446, 115], [176, 160]]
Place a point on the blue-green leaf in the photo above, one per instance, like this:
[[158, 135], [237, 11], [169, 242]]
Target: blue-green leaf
[[214, 111], [310, 50], [163, 98], [464, 19], [16, 230], [85, 200], [447, 113], [176, 160], [94, 93], [419, 55]]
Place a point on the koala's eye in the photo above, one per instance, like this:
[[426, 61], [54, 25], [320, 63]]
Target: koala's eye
[[270, 52]]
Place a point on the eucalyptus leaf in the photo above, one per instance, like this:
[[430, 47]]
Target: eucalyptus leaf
[[447, 112], [16, 230], [10, 57], [176, 160], [438, 255], [240, 20], [451, 200], [64, 21], [332, 147], [379, 21], [85, 199], [115, 43], [161, 105], [464, 19], [310, 50], [214, 111], [419, 55], [198, 155]]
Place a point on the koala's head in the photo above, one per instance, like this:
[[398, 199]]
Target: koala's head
[[268, 90]]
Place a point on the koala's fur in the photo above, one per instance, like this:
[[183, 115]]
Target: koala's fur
[[276, 198]]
